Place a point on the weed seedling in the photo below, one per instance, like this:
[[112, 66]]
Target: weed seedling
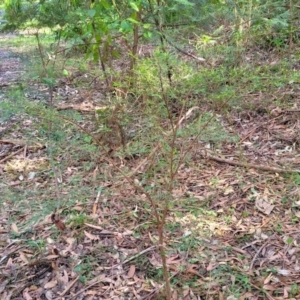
[[38, 245]]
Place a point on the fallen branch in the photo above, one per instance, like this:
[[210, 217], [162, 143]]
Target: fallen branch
[[85, 106], [13, 142], [200, 59], [69, 286], [256, 255], [36, 146], [249, 165], [11, 155]]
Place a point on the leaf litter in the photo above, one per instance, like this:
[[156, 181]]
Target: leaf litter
[[233, 226]]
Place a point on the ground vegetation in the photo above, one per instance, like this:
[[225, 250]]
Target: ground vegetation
[[149, 149]]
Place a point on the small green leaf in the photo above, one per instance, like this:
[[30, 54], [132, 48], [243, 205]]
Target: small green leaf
[[65, 72], [82, 279], [125, 26], [87, 139], [48, 81], [132, 20], [91, 13], [185, 2], [134, 6], [147, 34], [146, 26]]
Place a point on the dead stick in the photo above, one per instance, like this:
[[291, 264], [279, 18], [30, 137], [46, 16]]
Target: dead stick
[[11, 155], [7, 142], [259, 289], [247, 135], [69, 286], [248, 165], [86, 288], [145, 160], [256, 255]]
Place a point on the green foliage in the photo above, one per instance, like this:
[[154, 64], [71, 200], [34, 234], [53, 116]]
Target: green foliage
[[213, 133], [224, 275], [85, 268], [78, 220], [270, 24], [37, 245], [17, 13], [295, 289], [296, 179], [151, 103]]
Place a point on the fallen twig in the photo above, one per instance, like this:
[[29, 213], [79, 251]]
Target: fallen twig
[[69, 286], [85, 106], [137, 255], [256, 255], [11, 155], [266, 293], [22, 143], [200, 59], [249, 165], [14, 142]]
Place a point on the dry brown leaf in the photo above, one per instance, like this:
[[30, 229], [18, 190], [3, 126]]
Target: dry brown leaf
[[263, 205], [155, 261], [285, 292], [131, 271], [54, 266], [23, 257], [33, 288], [269, 287], [211, 266], [231, 297], [14, 228], [58, 222], [228, 190], [51, 257], [221, 296], [247, 296], [192, 269], [77, 207], [65, 277], [3, 285], [175, 295], [26, 295], [173, 268], [69, 286], [137, 279], [9, 264], [268, 278], [91, 236], [173, 260], [49, 295], [186, 293], [95, 208], [50, 284], [55, 252], [93, 226]]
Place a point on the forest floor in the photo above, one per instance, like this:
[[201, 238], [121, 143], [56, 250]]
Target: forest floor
[[73, 228]]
